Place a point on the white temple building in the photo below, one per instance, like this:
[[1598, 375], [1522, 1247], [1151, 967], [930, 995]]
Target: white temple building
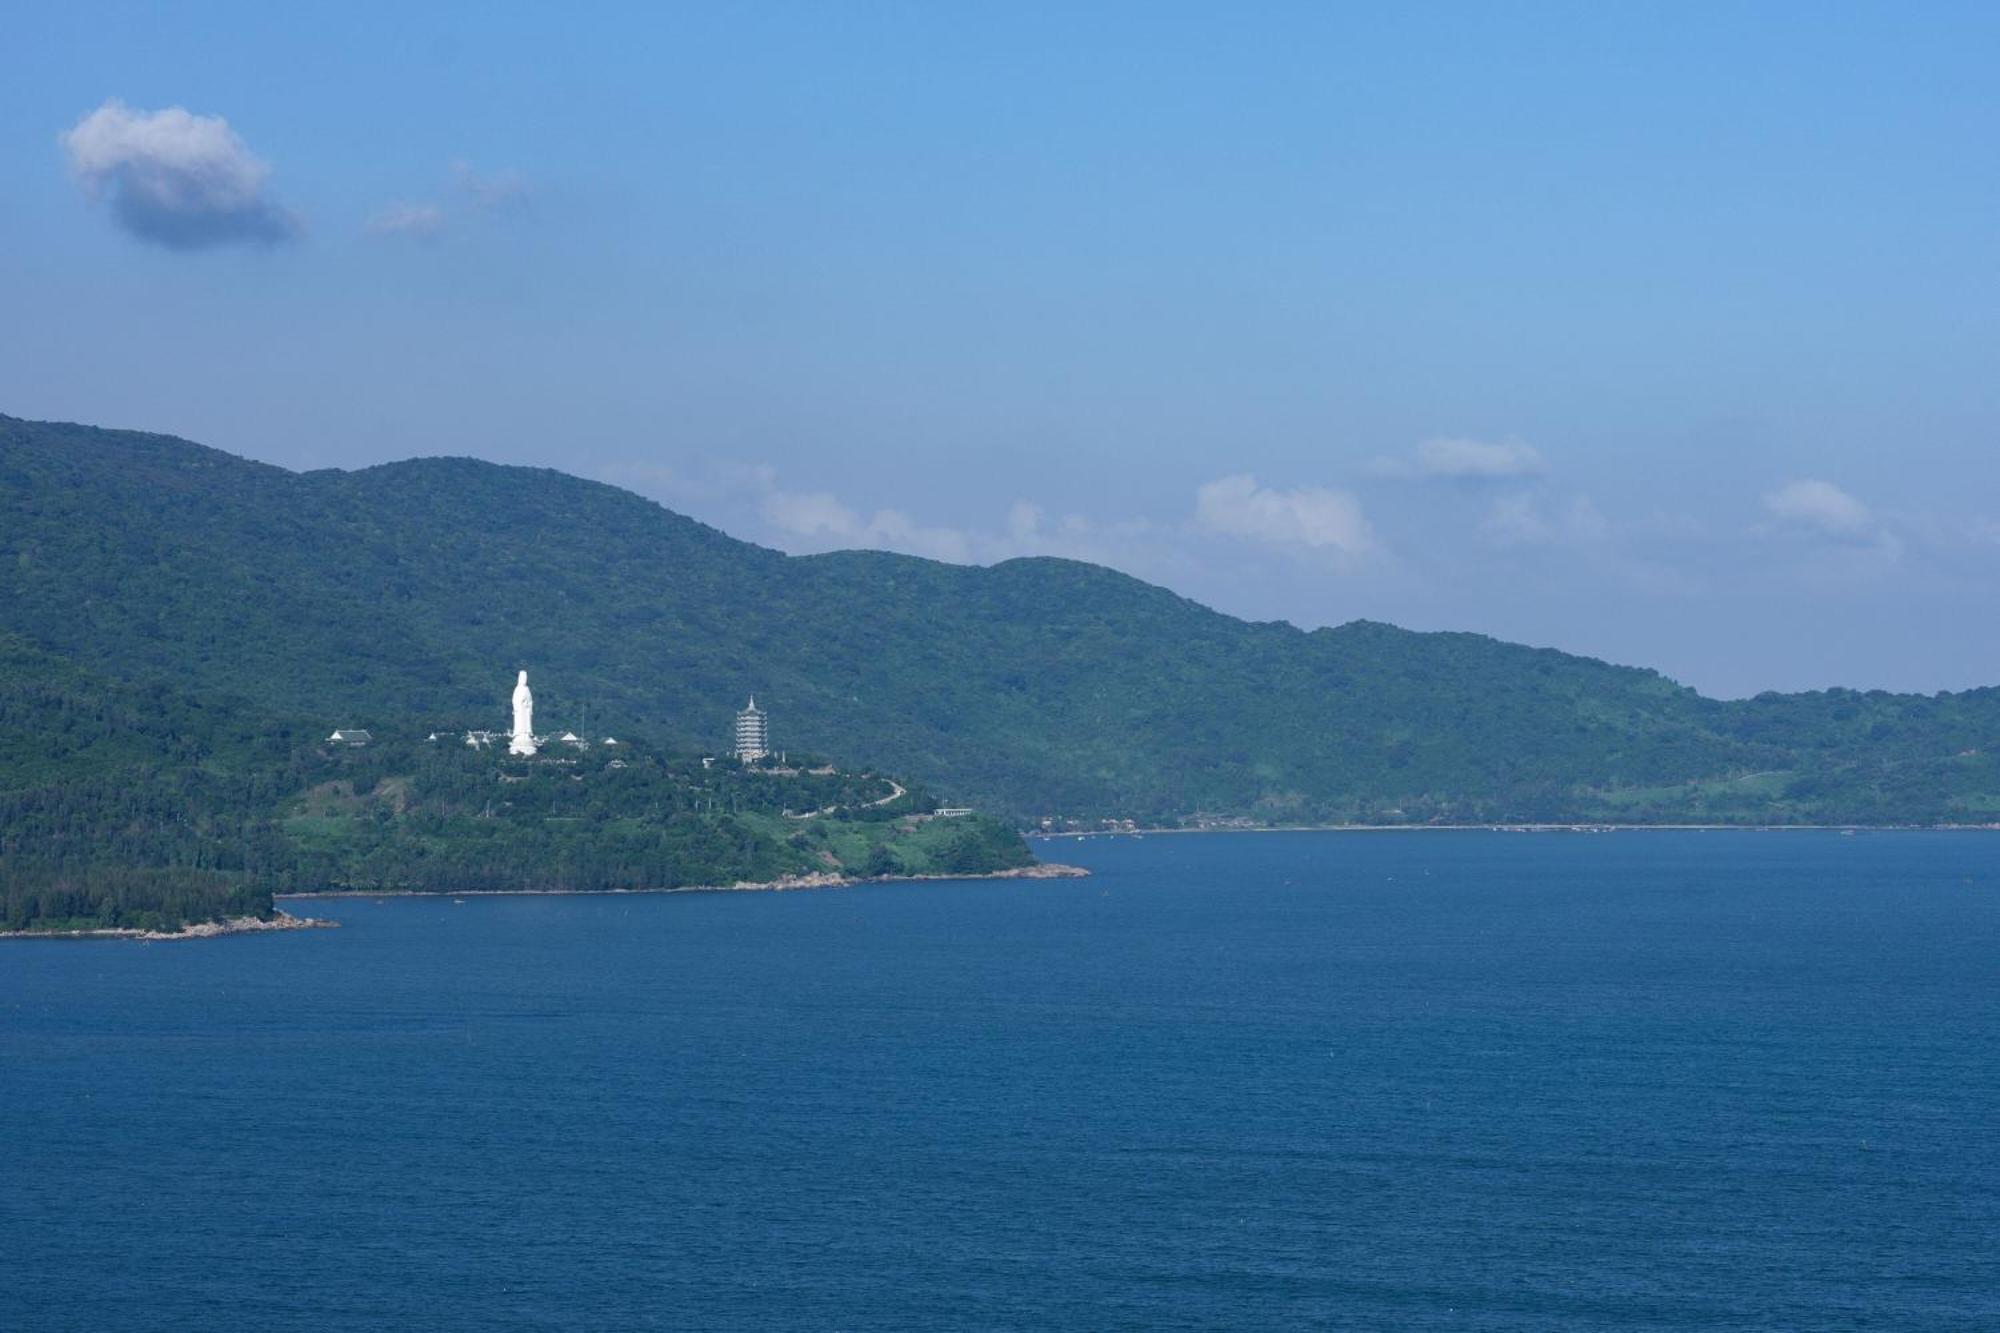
[[753, 733]]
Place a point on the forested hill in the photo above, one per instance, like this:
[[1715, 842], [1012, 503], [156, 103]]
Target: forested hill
[[143, 807], [1033, 687]]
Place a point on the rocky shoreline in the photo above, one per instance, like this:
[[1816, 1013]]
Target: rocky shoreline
[[201, 930], [821, 880], [250, 925], [829, 880]]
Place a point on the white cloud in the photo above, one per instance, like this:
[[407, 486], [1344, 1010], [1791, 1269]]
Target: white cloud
[[1821, 509], [176, 179], [1820, 506], [422, 221], [1311, 516]]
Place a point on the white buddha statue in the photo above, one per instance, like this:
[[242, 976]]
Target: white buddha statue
[[524, 719]]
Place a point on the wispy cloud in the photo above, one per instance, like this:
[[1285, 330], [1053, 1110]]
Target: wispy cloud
[[176, 179], [1819, 506], [1523, 520], [476, 191], [1310, 516], [1464, 460], [499, 189]]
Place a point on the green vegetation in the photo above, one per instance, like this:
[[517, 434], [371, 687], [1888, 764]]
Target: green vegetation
[[1035, 688], [437, 817], [141, 807], [128, 806]]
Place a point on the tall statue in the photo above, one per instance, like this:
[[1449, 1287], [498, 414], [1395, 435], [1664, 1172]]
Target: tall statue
[[524, 719]]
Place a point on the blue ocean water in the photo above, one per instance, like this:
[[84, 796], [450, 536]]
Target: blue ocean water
[[1372, 1081]]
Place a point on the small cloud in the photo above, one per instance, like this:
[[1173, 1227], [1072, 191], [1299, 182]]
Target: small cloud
[[502, 189], [1820, 506], [176, 179], [1821, 509], [1311, 516], [422, 221]]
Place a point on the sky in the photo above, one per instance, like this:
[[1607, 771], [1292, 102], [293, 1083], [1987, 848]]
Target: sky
[[1669, 334]]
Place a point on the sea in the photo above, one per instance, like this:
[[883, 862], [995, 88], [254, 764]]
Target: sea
[[1386, 1080]]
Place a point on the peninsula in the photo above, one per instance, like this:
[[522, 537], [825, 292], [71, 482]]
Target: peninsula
[[151, 813]]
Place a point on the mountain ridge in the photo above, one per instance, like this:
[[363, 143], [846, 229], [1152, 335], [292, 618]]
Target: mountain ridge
[[1037, 686]]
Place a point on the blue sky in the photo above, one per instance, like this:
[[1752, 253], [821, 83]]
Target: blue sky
[[1662, 333]]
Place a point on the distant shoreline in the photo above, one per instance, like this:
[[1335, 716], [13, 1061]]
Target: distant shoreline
[[1577, 827], [200, 930], [786, 883], [250, 925]]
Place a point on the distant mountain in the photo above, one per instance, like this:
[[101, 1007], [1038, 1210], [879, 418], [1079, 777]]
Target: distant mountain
[[1035, 687]]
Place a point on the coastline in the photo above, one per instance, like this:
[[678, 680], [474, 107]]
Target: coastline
[[200, 930], [785, 883]]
